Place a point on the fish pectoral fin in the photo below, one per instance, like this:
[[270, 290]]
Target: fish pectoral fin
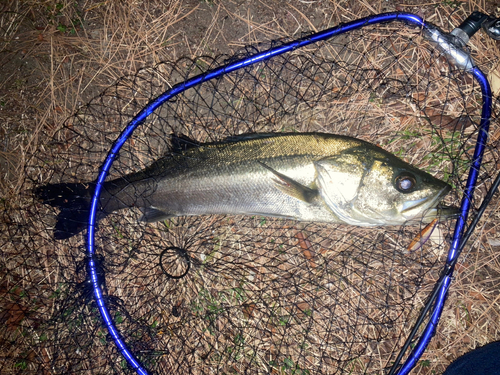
[[151, 215], [292, 187]]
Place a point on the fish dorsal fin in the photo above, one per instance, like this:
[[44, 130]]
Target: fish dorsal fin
[[292, 187], [250, 136], [339, 178], [181, 142], [152, 214]]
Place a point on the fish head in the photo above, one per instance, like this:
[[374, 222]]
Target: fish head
[[367, 186]]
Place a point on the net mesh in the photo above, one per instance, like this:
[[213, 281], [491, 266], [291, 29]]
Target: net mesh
[[250, 294]]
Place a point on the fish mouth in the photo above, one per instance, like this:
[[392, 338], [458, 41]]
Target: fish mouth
[[411, 205], [431, 203]]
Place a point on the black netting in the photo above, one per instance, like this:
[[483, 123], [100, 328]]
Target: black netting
[[259, 294]]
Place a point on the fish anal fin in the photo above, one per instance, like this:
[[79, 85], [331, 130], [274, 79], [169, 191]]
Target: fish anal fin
[[152, 214], [292, 187], [267, 214]]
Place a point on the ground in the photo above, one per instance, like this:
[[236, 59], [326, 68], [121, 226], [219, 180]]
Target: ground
[[58, 55]]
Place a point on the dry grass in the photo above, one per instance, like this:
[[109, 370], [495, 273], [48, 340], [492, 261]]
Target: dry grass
[[59, 55]]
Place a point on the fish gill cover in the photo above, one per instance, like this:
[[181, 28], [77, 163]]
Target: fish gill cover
[[245, 294]]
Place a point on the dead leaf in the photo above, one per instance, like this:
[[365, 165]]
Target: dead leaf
[[304, 309], [451, 123], [12, 316], [248, 310], [305, 245], [494, 78], [494, 241], [478, 296], [461, 267]]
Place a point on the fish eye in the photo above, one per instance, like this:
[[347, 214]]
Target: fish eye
[[405, 183]]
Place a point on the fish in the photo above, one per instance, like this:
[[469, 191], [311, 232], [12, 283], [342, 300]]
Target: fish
[[314, 177]]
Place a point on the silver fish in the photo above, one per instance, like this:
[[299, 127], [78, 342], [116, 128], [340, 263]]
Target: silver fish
[[306, 177]]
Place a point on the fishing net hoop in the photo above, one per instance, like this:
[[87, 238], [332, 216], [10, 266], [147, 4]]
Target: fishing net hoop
[[94, 261], [402, 17]]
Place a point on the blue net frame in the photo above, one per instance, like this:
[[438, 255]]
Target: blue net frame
[[443, 286]]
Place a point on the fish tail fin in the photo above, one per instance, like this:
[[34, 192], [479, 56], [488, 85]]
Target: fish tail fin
[[73, 200]]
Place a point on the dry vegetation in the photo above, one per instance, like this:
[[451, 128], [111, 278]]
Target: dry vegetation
[[57, 55]]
